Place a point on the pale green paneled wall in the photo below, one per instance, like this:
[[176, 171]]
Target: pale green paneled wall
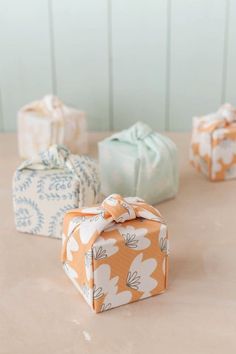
[[196, 59], [159, 61], [25, 55], [230, 57], [139, 56], [81, 48]]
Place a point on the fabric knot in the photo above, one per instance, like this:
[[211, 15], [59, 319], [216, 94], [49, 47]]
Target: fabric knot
[[227, 112], [53, 158], [119, 209], [139, 131], [225, 116], [91, 222], [51, 102], [49, 106]]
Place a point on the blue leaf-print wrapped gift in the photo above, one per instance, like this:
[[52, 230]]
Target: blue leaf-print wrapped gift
[[139, 162], [48, 185]]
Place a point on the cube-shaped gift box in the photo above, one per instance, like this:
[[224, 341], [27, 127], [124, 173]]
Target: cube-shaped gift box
[[47, 122], [139, 162], [116, 253], [213, 145], [49, 184]]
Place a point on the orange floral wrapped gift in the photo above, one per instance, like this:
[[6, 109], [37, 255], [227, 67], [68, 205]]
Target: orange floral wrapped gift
[[213, 146], [116, 253]]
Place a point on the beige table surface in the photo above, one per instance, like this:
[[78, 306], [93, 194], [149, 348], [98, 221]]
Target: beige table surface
[[41, 311]]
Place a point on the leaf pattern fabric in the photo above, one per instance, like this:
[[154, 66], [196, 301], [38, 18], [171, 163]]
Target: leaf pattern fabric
[[48, 185]]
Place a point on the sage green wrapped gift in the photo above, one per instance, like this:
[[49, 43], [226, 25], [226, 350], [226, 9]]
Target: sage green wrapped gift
[[139, 162]]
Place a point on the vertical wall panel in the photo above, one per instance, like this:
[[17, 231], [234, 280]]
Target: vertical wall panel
[[230, 89], [139, 62], [25, 62], [1, 115], [81, 54], [197, 52]]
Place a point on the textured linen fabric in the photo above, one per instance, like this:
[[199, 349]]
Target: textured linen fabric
[[139, 161], [49, 184], [213, 144], [47, 122], [116, 253]]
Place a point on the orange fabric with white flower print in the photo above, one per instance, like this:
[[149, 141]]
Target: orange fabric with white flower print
[[213, 145], [116, 253]]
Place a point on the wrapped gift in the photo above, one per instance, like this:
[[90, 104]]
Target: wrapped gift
[[116, 253], [49, 184], [213, 145], [47, 122], [139, 161]]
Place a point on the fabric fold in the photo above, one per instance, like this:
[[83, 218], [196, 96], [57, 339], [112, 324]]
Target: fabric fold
[[48, 185], [213, 143], [117, 252], [91, 222], [149, 157], [47, 122], [222, 118]]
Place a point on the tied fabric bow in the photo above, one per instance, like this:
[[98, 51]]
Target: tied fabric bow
[[155, 152], [56, 157], [83, 169], [223, 118], [89, 223], [49, 106]]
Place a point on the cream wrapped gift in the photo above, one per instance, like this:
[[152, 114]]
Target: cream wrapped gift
[[116, 253], [47, 122], [46, 186], [213, 145], [139, 161]]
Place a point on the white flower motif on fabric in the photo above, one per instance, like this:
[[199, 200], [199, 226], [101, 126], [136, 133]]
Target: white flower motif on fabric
[[87, 292], [224, 152], [114, 299], [102, 281], [104, 248], [105, 285], [134, 238], [205, 144], [231, 172], [163, 241], [72, 274], [220, 133], [83, 289], [139, 275], [72, 246]]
